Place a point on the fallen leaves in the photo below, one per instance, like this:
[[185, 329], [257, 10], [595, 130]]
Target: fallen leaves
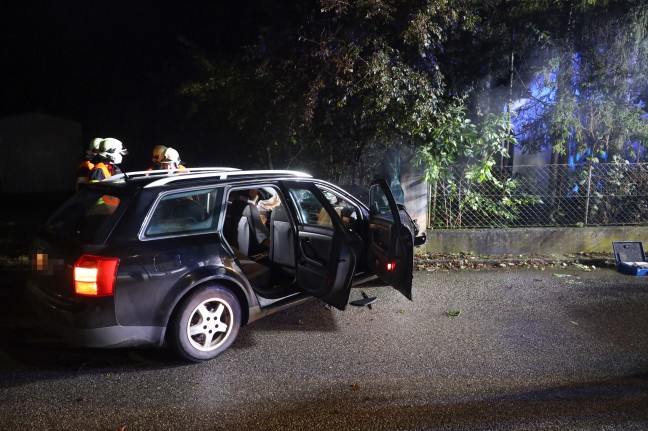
[[584, 267], [573, 282], [451, 261]]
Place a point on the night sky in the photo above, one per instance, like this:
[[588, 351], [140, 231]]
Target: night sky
[[114, 66]]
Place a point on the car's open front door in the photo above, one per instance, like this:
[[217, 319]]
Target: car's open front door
[[391, 251], [325, 259]]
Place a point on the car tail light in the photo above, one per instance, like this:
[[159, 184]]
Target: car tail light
[[95, 275], [391, 266]]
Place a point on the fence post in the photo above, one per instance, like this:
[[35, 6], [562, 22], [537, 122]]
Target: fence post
[[587, 197], [432, 206]]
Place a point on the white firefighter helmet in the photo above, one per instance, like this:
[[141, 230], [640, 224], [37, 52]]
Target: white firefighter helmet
[[158, 153], [93, 148], [170, 159], [113, 150]]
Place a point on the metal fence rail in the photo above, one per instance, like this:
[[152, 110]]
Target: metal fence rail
[[546, 195]]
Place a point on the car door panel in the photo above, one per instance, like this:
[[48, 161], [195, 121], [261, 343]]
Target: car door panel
[[325, 259], [390, 254], [314, 249], [325, 266]]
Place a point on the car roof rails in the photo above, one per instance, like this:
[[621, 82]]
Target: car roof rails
[[166, 173], [224, 173]]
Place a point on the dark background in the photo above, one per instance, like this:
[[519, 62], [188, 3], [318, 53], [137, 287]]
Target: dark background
[[115, 67]]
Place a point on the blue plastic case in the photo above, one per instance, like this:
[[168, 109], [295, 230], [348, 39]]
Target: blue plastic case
[[630, 257]]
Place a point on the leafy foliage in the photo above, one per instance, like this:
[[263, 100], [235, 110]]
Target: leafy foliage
[[462, 154], [618, 194], [589, 98], [329, 86], [335, 84]]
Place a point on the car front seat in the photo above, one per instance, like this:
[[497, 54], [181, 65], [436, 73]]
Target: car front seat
[[282, 242], [253, 235]]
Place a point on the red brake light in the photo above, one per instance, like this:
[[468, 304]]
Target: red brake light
[[391, 266], [95, 275]]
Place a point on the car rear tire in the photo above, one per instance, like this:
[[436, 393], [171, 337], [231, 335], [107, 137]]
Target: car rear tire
[[205, 323]]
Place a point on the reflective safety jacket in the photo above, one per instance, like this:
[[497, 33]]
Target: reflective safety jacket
[[180, 168], [102, 170], [83, 170], [99, 172]]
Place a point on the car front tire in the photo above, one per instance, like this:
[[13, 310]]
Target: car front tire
[[205, 323]]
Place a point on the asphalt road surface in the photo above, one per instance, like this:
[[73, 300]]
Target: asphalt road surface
[[560, 349]]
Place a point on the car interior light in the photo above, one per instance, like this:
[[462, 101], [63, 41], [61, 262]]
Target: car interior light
[[95, 275]]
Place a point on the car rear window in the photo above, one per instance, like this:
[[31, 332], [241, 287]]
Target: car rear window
[[83, 215]]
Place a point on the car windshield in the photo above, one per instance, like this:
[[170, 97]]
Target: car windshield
[[82, 215]]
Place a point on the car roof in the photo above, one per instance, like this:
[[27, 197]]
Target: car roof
[[130, 182], [197, 176]]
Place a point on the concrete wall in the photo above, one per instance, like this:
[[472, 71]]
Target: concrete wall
[[532, 240], [40, 153]]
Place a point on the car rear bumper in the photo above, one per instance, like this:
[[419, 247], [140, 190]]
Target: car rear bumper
[[80, 325]]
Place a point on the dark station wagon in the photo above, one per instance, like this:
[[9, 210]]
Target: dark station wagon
[[186, 258]]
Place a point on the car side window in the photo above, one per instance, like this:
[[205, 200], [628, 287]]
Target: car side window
[[312, 211], [185, 213], [347, 211], [309, 207], [379, 204]]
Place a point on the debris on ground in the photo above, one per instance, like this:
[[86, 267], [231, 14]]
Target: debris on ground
[[446, 261]]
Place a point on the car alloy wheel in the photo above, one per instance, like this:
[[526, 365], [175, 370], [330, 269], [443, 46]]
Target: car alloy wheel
[[205, 323]]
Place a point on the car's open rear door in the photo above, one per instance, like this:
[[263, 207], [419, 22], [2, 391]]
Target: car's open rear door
[[325, 259], [391, 249]]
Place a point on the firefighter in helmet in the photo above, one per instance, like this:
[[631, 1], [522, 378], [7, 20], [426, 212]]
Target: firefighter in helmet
[[86, 165], [158, 153], [171, 159], [111, 152]]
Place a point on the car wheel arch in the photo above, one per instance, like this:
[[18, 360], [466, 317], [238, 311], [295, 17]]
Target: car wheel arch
[[198, 280]]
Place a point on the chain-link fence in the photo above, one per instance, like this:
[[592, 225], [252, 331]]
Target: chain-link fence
[[546, 195]]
